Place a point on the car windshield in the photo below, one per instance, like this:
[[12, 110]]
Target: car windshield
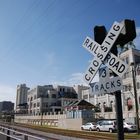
[[130, 123]]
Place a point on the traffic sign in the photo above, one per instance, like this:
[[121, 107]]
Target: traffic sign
[[101, 55], [106, 86], [116, 64], [104, 74], [113, 62]]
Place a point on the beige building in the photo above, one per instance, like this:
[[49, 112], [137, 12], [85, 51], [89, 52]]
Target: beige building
[[50, 98], [21, 98], [105, 103]]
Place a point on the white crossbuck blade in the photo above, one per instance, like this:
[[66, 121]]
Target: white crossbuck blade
[[103, 56]]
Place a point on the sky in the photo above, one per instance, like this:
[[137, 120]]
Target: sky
[[41, 40]]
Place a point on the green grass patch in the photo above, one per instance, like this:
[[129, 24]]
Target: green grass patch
[[79, 134]]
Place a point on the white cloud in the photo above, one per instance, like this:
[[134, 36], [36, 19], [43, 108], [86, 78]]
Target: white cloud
[[78, 79], [7, 93], [73, 79]]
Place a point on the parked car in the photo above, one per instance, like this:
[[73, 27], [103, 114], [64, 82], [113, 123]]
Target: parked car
[[106, 125], [89, 126], [129, 127]]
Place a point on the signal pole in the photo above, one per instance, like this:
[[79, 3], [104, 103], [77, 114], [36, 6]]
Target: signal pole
[[135, 95]]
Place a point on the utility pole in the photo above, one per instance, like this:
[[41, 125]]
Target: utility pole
[[100, 33], [135, 96]]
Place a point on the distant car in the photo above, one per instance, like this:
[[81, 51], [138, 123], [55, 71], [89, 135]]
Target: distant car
[[106, 125], [129, 127], [89, 126]]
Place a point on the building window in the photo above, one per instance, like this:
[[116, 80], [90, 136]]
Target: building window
[[139, 99], [34, 96], [34, 104], [53, 95], [38, 104], [129, 104], [127, 60], [31, 105], [138, 70], [127, 87], [85, 97], [138, 85]]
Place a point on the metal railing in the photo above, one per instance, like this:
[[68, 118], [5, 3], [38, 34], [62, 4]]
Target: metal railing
[[7, 132]]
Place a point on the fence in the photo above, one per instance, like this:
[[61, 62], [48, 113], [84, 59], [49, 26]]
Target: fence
[[10, 134]]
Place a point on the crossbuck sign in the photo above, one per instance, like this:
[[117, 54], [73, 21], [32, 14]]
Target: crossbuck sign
[[102, 54]]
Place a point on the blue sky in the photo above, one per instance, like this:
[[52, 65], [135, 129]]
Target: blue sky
[[41, 40]]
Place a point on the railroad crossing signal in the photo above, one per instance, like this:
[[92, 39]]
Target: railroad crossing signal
[[102, 54]]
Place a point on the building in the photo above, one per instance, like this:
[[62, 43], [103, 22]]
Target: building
[[105, 103], [6, 106], [21, 98], [49, 98], [79, 89]]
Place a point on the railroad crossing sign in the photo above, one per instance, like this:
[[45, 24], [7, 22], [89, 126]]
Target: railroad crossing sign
[[106, 84], [103, 56]]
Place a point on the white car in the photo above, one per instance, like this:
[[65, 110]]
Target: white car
[[106, 125], [89, 126], [129, 127]]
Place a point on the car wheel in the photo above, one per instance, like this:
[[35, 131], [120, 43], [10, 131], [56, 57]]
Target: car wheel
[[90, 129], [98, 130], [82, 128], [125, 130], [110, 130]]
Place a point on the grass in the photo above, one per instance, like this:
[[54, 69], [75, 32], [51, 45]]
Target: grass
[[79, 134]]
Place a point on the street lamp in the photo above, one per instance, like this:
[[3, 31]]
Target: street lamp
[[135, 95]]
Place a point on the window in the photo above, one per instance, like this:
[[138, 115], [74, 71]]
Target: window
[[129, 104], [53, 95], [34, 96], [127, 87], [31, 105], [31, 98], [138, 70], [38, 104], [127, 60], [138, 85], [139, 99], [47, 95], [85, 97]]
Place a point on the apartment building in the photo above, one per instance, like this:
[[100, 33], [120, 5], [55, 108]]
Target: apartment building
[[21, 98], [49, 98], [6, 106], [105, 103]]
